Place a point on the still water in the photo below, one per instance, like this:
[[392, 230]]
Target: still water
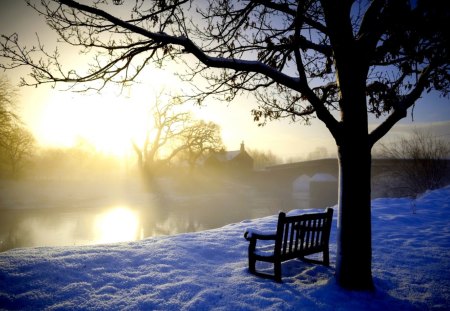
[[50, 227], [57, 215]]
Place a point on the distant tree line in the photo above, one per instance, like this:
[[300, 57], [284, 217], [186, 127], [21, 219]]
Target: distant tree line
[[81, 161], [173, 139], [422, 162], [262, 159], [16, 142]]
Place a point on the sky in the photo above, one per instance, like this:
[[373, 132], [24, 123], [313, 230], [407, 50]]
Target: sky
[[110, 120], [207, 270]]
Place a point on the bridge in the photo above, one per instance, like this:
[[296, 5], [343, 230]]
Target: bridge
[[284, 180]]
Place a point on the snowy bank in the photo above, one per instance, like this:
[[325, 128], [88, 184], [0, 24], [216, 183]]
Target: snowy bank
[[208, 270]]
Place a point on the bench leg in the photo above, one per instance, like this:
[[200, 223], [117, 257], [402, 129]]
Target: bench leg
[[251, 257], [277, 270], [326, 257], [251, 264]]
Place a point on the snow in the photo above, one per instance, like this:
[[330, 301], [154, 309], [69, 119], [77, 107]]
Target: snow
[[207, 270], [249, 232]]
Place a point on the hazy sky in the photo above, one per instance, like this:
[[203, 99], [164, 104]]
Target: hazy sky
[[109, 120]]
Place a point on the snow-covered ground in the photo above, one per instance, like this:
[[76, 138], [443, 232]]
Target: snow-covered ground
[[207, 270]]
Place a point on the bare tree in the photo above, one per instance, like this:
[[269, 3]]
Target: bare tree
[[16, 142], [8, 118], [422, 161], [201, 138], [164, 136], [302, 60], [16, 148], [173, 131]]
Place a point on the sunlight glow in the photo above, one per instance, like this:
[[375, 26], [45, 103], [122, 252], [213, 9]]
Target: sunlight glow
[[109, 121], [119, 224], [105, 121]]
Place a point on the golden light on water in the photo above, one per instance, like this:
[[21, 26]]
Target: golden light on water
[[119, 224]]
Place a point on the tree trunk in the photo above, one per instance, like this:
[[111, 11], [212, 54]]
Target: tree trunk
[[354, 245], [354, 236]]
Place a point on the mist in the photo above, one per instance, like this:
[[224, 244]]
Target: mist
[[78, 197]]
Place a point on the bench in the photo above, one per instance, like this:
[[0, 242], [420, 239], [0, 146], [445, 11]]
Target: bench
[[296, 237]]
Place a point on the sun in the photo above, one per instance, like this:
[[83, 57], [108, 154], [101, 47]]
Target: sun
[[109, 121], [105, 121]]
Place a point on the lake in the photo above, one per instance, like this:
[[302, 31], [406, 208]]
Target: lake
[[61, 213]]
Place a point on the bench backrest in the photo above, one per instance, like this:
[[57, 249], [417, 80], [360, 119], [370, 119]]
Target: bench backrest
[[302, 235]]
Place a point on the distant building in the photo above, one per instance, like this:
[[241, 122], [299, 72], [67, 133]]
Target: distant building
[[238, 160]]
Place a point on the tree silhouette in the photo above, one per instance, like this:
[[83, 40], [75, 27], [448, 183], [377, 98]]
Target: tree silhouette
[[422, 161], [302, 60], [163, 139], [173, 131], [7, 106], [16, 148], [16, 142], [200, 139]]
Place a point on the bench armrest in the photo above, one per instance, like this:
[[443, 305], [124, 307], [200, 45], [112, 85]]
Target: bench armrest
[[252, 234]]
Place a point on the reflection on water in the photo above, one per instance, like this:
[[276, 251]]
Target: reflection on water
[[118, 224], [51, 227], [51, 215]]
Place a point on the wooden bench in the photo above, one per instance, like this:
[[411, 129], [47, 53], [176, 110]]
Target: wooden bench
[[296, 237]]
